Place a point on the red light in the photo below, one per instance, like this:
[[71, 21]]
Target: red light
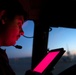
[[46, 61]]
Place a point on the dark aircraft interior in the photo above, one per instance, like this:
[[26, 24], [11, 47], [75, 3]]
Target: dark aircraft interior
[[47, 14]]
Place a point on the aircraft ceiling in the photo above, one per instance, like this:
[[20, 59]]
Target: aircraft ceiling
[[55, 13]]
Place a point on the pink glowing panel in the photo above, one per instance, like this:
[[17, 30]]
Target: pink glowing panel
[[46, 61]]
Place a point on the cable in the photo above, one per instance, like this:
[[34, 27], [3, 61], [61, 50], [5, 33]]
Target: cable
[[50, 29], [27, 36], [18, 46]]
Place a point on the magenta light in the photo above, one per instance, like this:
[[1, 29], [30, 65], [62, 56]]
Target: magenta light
[[45, 62]]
